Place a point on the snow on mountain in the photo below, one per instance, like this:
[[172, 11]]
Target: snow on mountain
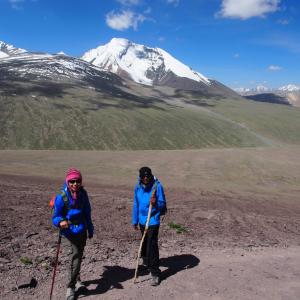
[[288, 94], [2, 54], [8, 50], [43, 65], [143, 64], [289, 88], [260, 89], [242, 90]]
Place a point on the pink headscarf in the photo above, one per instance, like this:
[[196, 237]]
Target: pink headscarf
[[73, 174]]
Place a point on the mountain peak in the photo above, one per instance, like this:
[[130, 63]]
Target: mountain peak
[[8, 50], [119, 41], [290, 88], [142, 64], [263, 89]]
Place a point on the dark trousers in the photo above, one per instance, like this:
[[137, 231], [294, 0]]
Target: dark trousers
[[75, 246], [150, 249]]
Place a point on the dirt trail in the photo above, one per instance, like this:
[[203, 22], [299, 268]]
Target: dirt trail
[[236, 246]]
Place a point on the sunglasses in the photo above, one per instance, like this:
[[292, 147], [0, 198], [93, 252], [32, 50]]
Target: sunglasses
[[75, 181]]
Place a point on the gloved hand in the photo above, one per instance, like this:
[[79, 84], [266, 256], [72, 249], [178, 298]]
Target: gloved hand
[[90, 235]]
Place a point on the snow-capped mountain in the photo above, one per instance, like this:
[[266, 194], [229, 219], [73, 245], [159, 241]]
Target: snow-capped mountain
[[119, 62], [242, 90], [8, 50], [58, 67], [291, 92], [252, 91], [260, 89], [19, 63], [289, 88], [145, 65], [288, 94]]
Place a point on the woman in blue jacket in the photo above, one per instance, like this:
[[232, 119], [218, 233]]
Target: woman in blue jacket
[[72, 214], [142, 198]]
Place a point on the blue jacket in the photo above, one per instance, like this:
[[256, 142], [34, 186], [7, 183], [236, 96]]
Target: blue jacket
[[78, 213], [141, 203]]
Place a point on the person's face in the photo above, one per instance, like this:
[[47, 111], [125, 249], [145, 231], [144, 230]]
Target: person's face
[[145, 179], [74, 184]]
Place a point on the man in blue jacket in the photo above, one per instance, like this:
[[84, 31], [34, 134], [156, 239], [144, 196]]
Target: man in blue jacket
[[149, 190], [72, 214]]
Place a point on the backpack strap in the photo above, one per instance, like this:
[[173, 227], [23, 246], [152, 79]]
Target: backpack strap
[[65, 199], [66, 203]]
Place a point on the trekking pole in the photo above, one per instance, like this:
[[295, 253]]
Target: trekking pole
[[141, 244], [55, 264]]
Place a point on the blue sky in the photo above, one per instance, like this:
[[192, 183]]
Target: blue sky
[[241, 43]]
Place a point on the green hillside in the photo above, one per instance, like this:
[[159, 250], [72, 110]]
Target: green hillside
[[83, 118], [278, 124]]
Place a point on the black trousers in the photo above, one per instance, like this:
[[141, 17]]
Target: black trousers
[[150, 249]]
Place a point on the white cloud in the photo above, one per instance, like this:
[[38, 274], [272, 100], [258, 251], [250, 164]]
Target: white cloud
[[148, 10], [274, 68], [245, 9], [283, 22], [124, 20], [129, 2], [174, 2], [16, 4]]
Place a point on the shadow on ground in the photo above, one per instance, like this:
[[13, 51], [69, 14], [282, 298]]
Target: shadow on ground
[[177, 263], [110, 279], [113, 276]]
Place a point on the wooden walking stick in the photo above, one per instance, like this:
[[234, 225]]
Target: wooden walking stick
[[143, 237], [141, 244]]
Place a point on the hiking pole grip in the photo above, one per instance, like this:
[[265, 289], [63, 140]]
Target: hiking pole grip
[[55, 263], [141, 243]]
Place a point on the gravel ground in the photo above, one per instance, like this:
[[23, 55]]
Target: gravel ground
[[233, 246]]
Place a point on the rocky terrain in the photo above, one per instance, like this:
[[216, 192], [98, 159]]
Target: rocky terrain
[[227, 245]]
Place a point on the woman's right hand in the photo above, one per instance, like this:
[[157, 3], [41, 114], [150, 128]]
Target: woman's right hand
[[64, 224]]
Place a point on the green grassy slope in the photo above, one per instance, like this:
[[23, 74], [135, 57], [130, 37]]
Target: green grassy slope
[[278, 124], [81, 118]]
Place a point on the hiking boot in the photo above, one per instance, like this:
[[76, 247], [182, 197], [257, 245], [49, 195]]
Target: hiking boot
[[155, 280], [70, 294]]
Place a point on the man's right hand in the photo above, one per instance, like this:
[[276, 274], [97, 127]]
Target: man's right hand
[[135, 227], [64, 224]]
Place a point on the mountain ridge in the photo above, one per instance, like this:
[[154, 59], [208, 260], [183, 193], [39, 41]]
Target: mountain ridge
[[288, 94], [8, 50], [53, 101]]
